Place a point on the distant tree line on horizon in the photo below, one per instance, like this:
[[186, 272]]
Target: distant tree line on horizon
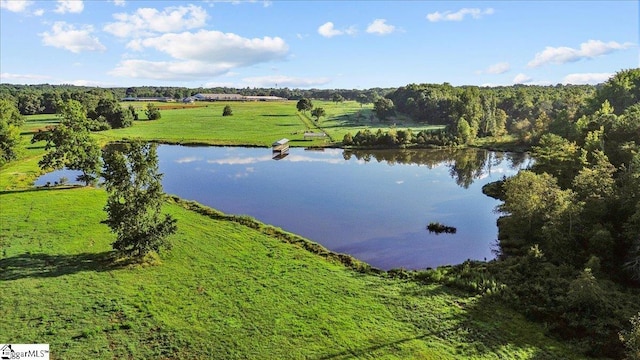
[[42, 99]]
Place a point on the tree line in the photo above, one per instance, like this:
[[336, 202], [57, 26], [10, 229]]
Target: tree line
[[42, 99], [470, 112], [569, 232]]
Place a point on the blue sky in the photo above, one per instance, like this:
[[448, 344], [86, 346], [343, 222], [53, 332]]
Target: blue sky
[[315, 44]]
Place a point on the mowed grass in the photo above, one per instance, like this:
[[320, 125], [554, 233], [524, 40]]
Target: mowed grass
[[255, 123], [224, 291], [252, 124], [351, 117]]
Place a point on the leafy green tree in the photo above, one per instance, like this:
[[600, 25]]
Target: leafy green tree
[[134, 113], [596, 181], [304, 105], [522, 129], [585, 294], [70, 145], [29, 103], [500, 125], [152, 112], [50, 101], [463, 131], [631, 338], [10, 113], [384, 108], [347, 139], [10, 120], [559, 157], [337, 98], [362, 99], [621, 91], [112, 112], [227, 111], [135, 199], [318, 113], [535, 202]]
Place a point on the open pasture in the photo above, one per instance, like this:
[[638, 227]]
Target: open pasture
[[224, 291], [255, 123]]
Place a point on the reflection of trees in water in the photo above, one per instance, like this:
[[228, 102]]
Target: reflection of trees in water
[[465, 165]]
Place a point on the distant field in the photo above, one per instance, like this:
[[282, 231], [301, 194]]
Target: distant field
[[254, 123]]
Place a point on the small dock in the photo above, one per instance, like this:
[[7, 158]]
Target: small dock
[[280, 149]]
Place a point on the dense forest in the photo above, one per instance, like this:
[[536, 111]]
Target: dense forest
[[568, 251], [569, 235]]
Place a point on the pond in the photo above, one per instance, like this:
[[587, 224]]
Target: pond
[[374, 205]]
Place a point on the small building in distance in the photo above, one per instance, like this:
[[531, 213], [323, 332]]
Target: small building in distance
[[148, 99], [218, 97], [264, 98], [234, 97]]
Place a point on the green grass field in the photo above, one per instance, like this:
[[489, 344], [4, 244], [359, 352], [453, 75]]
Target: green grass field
[[225, 291], [253, 123]]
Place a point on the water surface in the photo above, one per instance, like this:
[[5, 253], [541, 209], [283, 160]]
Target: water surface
[[373, 205]]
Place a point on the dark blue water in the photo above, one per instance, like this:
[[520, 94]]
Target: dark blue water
[[372, 205]]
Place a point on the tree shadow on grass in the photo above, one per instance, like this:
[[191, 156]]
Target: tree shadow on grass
[[40, 188], [487, 326], [366, 351], [39, 265]]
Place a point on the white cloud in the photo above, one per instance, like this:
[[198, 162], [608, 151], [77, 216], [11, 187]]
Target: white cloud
[[147, 21], [23, 78], [38, 12], [119, 2], [586, 78], [265, 3], [215, 47], [380, 27], [69, 6], [88, 83], [240, 160], [459, 15], [67, 37], [327, 30], [521, 79], [188, 159], [169, 70], [499, 68], [15, 5], [284, 81], [303, 158], [587, 50]]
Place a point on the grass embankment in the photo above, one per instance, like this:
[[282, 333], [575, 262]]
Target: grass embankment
[[224, 291]]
